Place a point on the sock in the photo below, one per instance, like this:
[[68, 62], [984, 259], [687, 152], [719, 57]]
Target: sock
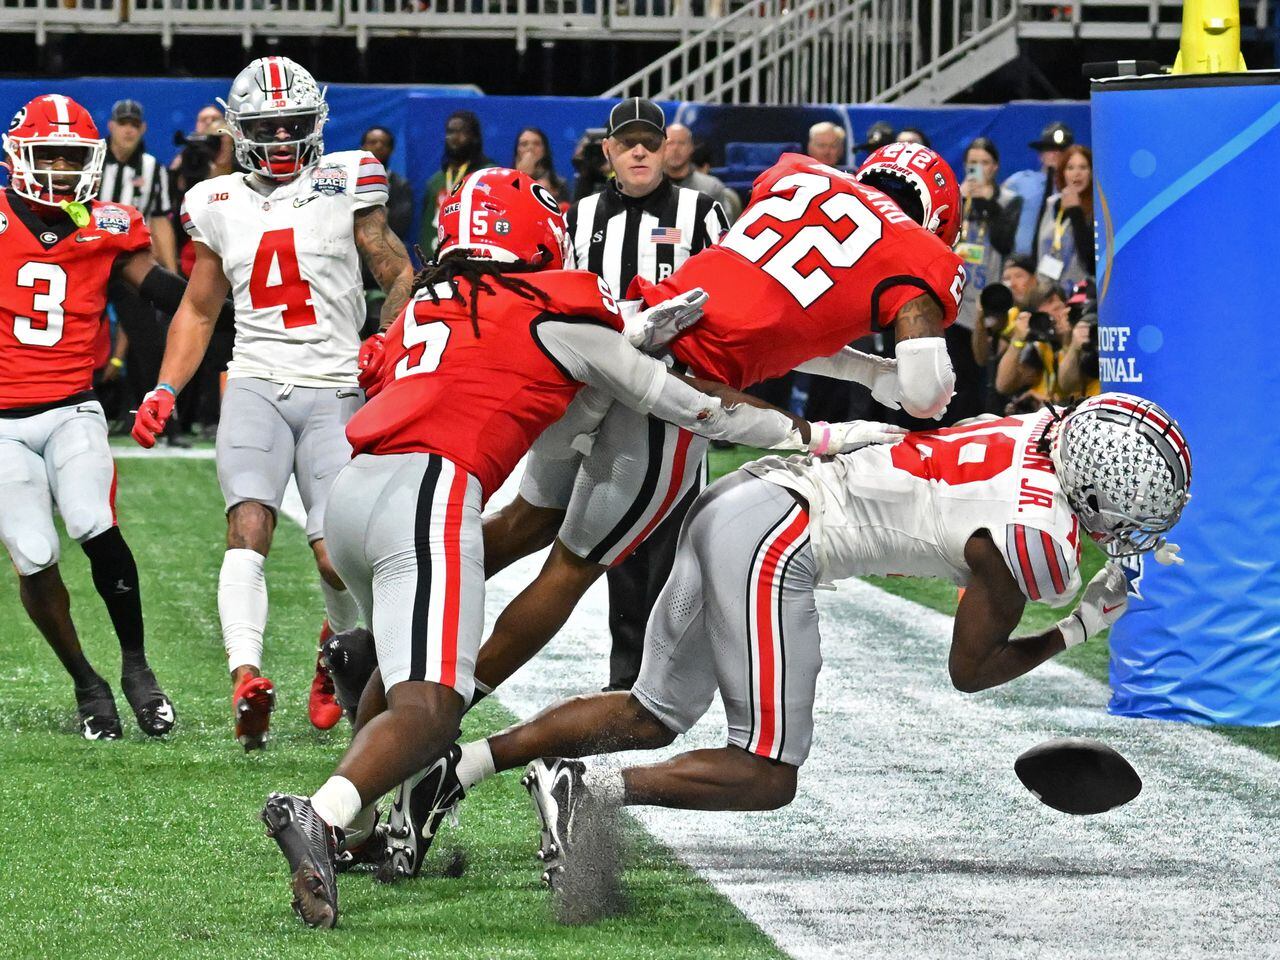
[[481, 691], [605, 782], [360, 828], [476, 764], [115, 575], [338, 802], [341, 609], [242, 606]]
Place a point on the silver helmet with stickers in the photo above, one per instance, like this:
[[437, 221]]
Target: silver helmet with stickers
[[276, 114], [1125, 468]]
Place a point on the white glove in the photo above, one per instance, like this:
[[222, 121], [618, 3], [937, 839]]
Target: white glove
[[1166, 554], [830, 438], [647, 330], [1104, 602]]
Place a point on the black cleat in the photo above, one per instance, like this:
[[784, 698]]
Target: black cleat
[[369, 850], [421, 803], [351, 659], [153, 710], [309, 845], [96, 712]]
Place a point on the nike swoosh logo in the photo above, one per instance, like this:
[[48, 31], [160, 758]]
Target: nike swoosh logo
[[1106, 609], [302, 201], [80, 239]]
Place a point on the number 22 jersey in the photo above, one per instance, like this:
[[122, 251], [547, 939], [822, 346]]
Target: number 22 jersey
[[816, 261], [291, 258], [909, 508]]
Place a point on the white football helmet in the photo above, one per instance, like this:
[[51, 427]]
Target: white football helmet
[[269, 95], [1125, 468]]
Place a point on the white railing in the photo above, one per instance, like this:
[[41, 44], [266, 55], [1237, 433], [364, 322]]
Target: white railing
[[26, 14], [478, 16], [964, 42], [237, 15]]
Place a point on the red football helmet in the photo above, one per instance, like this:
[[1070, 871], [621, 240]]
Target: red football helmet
[[46, 130], [909, 172], [501, 214]]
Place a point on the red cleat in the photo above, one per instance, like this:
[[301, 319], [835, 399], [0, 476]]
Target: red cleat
[[323, 706], [253, 701]]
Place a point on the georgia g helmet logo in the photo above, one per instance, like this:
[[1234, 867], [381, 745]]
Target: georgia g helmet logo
[[18, 120], [544, 197]]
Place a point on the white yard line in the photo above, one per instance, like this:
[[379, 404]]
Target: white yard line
[[912, 838]]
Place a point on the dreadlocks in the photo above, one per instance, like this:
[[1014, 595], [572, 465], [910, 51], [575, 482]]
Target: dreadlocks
[[457, 266], [1056, 415]]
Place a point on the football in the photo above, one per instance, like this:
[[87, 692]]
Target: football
[[1078, 776]]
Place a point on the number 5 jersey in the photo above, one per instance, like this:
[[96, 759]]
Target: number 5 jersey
[[294, 269], [53, 291], [911, 507]]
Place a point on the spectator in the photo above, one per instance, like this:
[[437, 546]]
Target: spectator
[[641, 225], [381, 142], [1078, 367], [1035, 186], [682, 173], [995, 325], [914, 135], [463, 154], [532, 155], [880, 133], [591, 165], [1064, 239], [826, 144], [132, 176], [1028, 369], [990, 219]]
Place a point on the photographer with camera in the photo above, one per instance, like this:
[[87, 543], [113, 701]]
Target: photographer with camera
[[998, 307], [1028, 370], [1078, 366], [591, 164]]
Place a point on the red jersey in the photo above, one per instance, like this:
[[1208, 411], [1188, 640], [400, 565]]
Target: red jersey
[[53, 291], [480, 400], [816, 261]]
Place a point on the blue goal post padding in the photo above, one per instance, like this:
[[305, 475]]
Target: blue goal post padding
[[1189, 282]]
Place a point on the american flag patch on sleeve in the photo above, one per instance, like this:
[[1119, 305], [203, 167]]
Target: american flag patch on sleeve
[[666, 235]]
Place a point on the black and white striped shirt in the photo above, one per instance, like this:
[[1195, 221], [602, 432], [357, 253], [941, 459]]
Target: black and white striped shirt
[[139, 181], [619, 237]]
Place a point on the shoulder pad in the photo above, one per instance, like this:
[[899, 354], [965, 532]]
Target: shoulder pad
[[578, 293]]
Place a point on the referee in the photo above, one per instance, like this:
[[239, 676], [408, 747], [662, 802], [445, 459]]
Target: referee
[[132, 176], [640, 225]]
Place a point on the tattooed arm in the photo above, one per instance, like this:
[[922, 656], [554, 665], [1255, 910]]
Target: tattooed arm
[[386, 258], [925, 378]]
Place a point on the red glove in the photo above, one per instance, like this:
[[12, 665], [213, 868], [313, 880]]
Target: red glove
[[369, 362], [153, 414]]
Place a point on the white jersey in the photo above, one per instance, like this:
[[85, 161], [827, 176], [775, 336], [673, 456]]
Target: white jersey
[[911, 507], [293, 265]]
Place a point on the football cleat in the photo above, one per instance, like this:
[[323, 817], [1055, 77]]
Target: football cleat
[[356, 849], [253, 700], [322, 706], [421, 803], [96, 713], [153, 710], [309, 845], [556, 789], [351, 659]]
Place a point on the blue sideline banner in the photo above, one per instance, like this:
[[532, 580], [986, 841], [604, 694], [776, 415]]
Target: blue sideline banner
[[1189, 282]]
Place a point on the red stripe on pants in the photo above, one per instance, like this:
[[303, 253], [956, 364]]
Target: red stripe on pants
[[683, 439], [765, 599], [452, 578]]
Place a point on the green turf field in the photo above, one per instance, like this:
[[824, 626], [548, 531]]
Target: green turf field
[[147, 849]]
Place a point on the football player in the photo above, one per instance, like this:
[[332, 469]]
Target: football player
[[59, 246], [996, 506], [287, 239], [494, 345], [819, 258]]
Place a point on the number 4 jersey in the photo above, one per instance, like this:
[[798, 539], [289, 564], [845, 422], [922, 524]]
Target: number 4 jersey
[[53, 291], [911, 507], [293, 265], [816, 261]]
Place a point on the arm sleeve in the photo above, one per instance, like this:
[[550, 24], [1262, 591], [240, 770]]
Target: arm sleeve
[[596, 355], [848, 364], [1044, 571]]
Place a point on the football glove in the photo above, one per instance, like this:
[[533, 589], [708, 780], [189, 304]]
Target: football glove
[[648, 330], [1105, 599], [367, 361], [153, 414], [831, 438]]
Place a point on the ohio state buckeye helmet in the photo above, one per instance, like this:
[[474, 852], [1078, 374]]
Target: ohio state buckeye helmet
[[269, 95], [920, 182], [47, 129], [1125, 468], [504, 215]]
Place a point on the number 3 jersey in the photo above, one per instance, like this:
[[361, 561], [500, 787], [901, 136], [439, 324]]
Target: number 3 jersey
[[909, 508], [53, 291], [292, 262], [816, 261]]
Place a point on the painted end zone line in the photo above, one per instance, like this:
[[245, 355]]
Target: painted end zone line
[[910, 835]]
